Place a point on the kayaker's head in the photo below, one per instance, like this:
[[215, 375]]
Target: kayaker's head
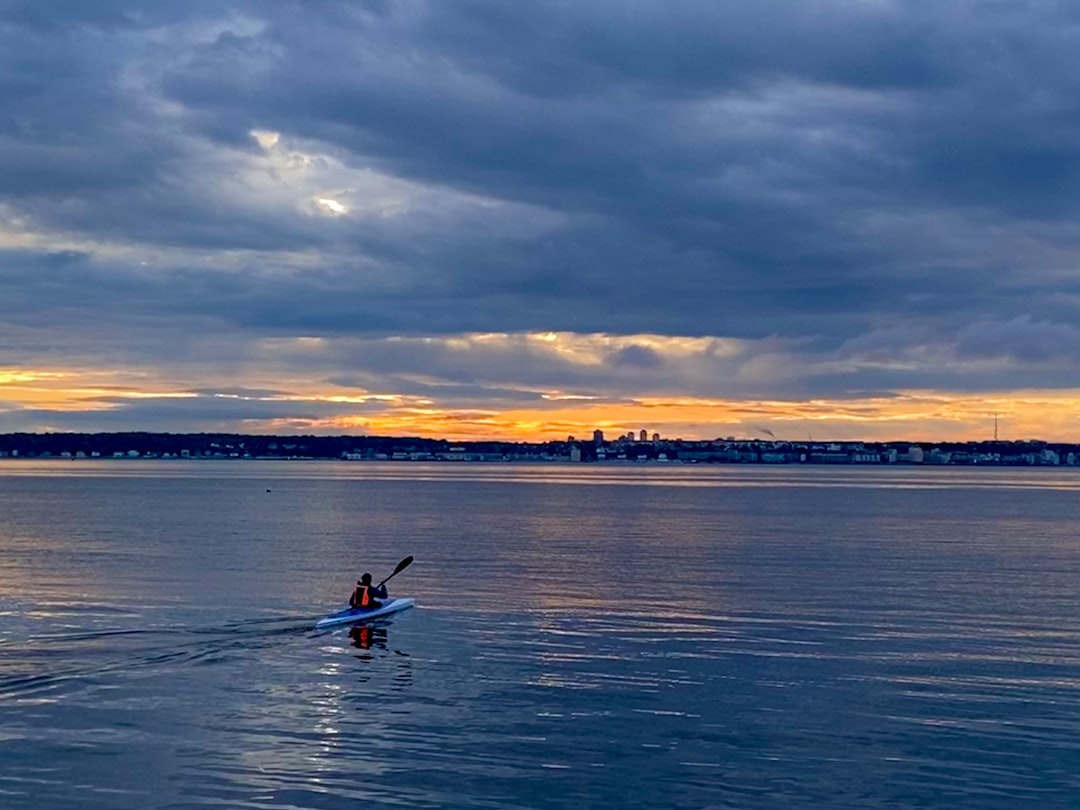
[[365, 580]]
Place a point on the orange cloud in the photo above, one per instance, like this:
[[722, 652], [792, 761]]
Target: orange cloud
[[931, 416]]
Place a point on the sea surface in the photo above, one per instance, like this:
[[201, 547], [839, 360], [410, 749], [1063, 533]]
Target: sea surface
[[584, 636]]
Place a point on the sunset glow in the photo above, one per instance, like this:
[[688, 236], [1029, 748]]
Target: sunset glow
[[925, 415]]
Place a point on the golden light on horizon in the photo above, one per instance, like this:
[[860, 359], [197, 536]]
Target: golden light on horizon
[[909, 415], [10, 377], [70, 390], [928, 416]]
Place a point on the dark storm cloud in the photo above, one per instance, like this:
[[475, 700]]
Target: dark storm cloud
[[889, 190], [638, 357], [212, 412], [1024, 340], [169, 417]]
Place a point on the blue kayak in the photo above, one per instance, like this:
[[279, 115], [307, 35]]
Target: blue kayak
[[353, 615]]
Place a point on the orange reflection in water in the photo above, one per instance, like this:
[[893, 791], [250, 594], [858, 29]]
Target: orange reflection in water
[[365, 636]]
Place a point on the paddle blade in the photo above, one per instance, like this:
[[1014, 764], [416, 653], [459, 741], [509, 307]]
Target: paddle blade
[[401, 566]]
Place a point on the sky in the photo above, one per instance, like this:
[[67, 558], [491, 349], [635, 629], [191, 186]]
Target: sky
[[480, 219]]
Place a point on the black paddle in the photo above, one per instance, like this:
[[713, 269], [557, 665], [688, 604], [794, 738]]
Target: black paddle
[[401, 566]]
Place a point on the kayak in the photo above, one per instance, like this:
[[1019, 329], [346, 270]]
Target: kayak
[[352, 615]]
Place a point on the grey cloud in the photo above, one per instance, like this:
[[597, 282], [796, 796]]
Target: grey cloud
[[637, 356], [446, 391], [889, 190], [101, 15], [678, 48], [199, 414], [1025, 340], [737, 196]]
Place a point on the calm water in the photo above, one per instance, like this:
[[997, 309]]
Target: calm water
[[585, 636]]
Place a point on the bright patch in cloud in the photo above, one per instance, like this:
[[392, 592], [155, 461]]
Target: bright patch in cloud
[[151, 394], [331, 205], [9, 377], [267, 140]]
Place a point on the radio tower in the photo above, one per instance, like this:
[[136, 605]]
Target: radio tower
[[995, 427]]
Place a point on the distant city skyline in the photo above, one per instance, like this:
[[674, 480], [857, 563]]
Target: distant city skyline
[[622, 449], [839, 220]]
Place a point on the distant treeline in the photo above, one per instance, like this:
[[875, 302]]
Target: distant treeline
[[233, 445], [625, 448]]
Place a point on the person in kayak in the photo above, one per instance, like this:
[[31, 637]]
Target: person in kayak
[[365, 594]]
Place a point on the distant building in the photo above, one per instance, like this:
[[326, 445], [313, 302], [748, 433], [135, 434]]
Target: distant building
[[938, 456], [644, 435], [575, 453], [656, 437], [598, 436]]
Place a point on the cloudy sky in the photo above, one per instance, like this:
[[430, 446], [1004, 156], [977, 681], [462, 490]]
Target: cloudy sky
[[480, 218]]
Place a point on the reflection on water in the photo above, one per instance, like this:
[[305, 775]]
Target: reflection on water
[[364, 636], [374, 637], [656, 638], [628, 474]]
